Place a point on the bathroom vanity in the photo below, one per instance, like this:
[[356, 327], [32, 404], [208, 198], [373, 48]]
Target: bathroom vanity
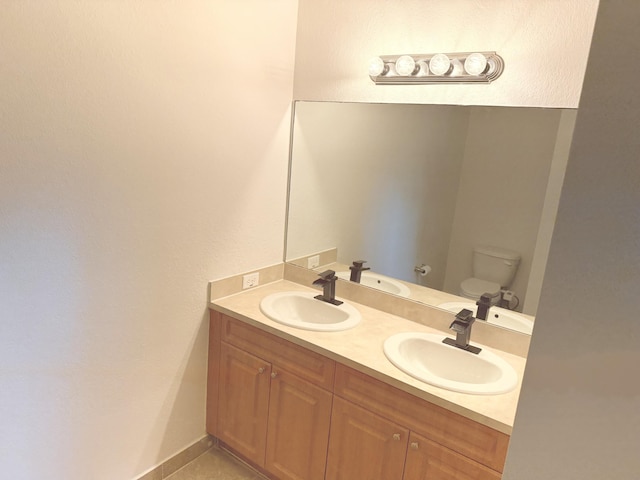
[[299, 404]]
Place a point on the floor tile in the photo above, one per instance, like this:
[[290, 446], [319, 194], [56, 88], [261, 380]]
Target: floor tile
[[215, 464]]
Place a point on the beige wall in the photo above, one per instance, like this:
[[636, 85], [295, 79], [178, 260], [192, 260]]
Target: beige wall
[[138, 162], [379, 182], [578, 413], [544, 43], [143, 153]]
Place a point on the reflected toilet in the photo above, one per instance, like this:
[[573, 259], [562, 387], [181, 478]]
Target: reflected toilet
[[493, 270]]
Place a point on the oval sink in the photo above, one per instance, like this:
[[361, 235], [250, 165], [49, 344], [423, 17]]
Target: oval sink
[[497, 316], [380, 282], [426, 358], [302, 310]]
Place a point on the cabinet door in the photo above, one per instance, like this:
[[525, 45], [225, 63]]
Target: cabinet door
[[298, 431], [427, 460], [473, 440], [243, 402], [363, 445]]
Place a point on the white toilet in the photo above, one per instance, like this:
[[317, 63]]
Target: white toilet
[[493, 269]]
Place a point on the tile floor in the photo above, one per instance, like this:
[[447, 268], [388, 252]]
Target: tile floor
[[215, 464]]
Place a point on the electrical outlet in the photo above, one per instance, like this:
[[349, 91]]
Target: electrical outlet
[[250, 280], [313, 262]]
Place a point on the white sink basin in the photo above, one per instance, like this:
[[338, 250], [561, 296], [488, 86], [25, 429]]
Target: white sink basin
[[302, 310], [425, 357], [497, 316], [380, 282]]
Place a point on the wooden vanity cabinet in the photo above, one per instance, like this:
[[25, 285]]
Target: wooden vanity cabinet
[[439, 444], [298, 428], [273, 402], [427, 460], [296, 414], [243, 406], [364, 445]]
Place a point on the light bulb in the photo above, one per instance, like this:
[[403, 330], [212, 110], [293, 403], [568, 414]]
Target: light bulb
[[377, 67], [475, 64], [439, 64], [405, 65]]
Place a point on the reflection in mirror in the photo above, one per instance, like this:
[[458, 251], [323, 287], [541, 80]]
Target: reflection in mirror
[[413, 189]]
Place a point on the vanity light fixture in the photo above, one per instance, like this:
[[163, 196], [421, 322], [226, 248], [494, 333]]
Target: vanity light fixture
[[470, 67]]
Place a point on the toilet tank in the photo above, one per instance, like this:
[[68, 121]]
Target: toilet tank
[[495, 264]]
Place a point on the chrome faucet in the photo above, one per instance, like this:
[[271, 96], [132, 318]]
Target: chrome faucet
[[357, 269], [327, 281], [483, 306], [462, 326]]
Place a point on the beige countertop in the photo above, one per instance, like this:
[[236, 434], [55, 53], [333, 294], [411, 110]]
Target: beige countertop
[[361, 348]]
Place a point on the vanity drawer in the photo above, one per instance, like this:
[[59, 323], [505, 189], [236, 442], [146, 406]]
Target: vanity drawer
[[304, 363], [473, 440]]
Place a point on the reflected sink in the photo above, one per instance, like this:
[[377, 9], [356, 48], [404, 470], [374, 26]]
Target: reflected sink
[[302, 310], [379, 282], [426, 358], [497, 316]]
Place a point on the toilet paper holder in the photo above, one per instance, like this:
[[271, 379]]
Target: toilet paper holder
[[422, 270]]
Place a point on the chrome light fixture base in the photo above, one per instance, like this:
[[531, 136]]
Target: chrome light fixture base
[[466, 67]]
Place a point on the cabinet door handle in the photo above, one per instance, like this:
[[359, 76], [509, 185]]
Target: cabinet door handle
[[396, 436], [261, 370], [274, 374], [414, 445]]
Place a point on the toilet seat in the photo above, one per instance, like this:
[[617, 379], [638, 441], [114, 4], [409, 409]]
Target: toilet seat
[[475, 287]]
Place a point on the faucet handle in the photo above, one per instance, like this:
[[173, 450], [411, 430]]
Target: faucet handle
[[463, 321], [327, 275], [328, 282], [462, 326], [358, 264], [484, 304], [485, 299], [465, 315]]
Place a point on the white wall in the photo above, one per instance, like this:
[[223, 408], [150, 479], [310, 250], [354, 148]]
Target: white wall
[[399, 185], [137, 163], [578, 414], [544, 43], [143, 152], [505, 173], [549, 210]]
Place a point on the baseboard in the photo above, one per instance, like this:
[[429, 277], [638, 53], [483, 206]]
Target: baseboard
[[180, 459]]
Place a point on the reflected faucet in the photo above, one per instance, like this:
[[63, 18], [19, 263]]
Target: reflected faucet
[[483, 306], [462, 326], [327, 281], [357, 269]]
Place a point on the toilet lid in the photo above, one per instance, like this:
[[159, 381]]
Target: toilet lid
[[477, 287]]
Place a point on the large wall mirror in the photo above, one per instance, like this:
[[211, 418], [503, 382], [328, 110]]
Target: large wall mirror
[[402, 186]]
